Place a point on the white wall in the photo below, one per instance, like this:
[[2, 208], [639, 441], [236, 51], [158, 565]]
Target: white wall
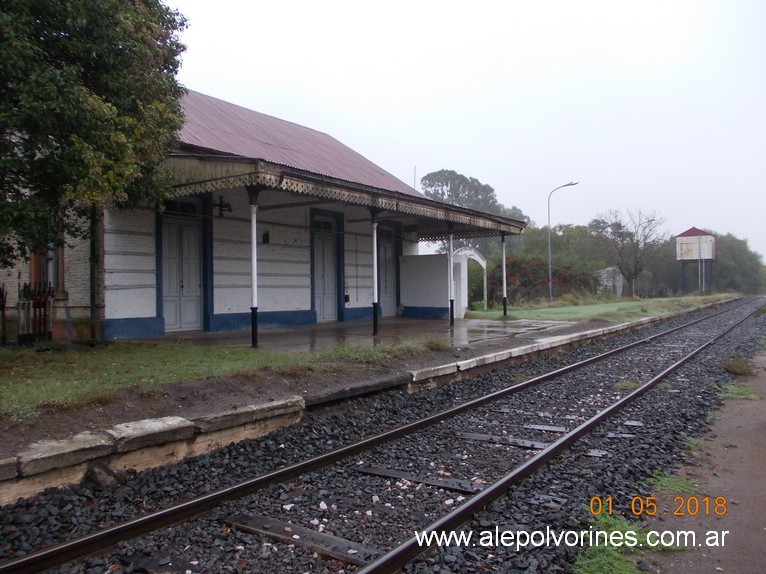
[[358, 265], [424, 280], [410, 244], [460, 284], [130, 268], [284, 264]]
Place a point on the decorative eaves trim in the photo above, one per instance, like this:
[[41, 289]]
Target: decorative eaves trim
[[195, 174]]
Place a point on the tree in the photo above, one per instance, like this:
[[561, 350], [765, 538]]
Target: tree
[[635, 240], [580, 246], [736, 267], [454, 188], [89, 108], [527, 279], [664, 269]]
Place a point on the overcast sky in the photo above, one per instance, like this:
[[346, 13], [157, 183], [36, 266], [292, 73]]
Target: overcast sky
[[651, 105]]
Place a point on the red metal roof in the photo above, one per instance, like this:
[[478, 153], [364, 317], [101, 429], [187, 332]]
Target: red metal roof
[[222, 127], [693, 232]]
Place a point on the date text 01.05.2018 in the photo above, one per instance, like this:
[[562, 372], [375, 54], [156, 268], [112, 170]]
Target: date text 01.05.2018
[[647, 506]]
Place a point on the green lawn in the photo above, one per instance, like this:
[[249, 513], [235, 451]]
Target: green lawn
[[613, 310], [66, 376]]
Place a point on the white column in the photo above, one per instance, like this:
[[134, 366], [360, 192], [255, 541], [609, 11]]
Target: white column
[[254, 255], [449, 272], [375, 262], [374, 273], [451, 279], [505, 288], [252, 194]]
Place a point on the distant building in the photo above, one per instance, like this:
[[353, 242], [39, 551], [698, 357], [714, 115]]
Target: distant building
[[609, 280], [696, 248]]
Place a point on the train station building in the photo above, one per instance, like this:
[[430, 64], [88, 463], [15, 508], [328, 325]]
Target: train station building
[[271, 224]]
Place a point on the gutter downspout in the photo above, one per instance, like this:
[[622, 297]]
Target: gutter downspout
[[450, 280], [93, 282]]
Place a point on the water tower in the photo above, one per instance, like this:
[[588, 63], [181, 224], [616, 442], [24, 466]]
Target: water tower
[[696, 247]]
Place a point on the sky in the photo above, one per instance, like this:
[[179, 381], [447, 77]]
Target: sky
[[657, 106]]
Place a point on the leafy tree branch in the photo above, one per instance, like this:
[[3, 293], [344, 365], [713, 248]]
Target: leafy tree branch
[[89, 108]]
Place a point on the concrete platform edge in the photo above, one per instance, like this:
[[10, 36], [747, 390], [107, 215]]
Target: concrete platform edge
[[56, 463]]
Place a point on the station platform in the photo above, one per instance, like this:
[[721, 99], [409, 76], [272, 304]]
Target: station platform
[[465, 333]]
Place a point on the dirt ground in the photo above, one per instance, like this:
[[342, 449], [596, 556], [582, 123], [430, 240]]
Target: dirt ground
[[732, 465]]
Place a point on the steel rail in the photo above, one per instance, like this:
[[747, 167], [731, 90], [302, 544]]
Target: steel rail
[[397, 557], [95, 542]]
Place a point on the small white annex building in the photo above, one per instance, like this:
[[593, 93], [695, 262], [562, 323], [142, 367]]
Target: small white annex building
[[609, 280], [271, 224]]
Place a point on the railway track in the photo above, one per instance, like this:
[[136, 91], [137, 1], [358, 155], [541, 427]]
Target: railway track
[[448, 465]]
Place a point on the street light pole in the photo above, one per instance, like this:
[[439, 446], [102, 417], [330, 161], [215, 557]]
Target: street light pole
[[550, 266]]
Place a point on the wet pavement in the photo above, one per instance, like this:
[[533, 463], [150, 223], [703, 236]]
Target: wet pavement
[[321, 336]]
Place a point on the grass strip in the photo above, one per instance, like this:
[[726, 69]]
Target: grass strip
[[31, 379], [594, 308]]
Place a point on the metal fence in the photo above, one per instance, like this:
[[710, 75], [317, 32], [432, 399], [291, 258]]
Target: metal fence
[[35, 313], [3, 324]]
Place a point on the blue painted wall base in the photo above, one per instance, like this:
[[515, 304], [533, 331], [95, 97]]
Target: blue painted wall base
[[428, 313], [357, 314], [138, 328], [241, 321], [148, 327]]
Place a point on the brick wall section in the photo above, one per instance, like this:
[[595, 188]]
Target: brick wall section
[[71, 308], [76, 282]]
